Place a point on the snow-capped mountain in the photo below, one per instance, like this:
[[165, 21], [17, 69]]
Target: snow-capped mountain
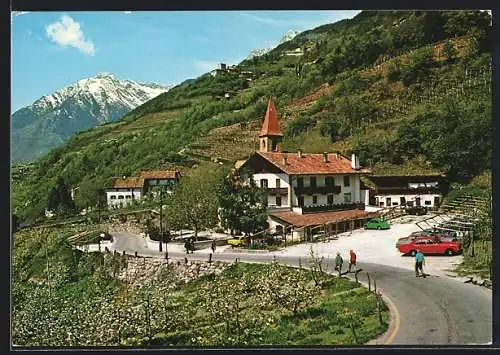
[[52, 119], [288, 36]]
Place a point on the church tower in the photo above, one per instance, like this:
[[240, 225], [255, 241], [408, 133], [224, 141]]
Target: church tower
[[270, 134]]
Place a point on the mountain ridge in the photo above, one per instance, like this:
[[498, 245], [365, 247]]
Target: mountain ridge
[[53, 118], [287, 36]]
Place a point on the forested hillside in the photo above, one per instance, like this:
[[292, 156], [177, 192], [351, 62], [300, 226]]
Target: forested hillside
[[399, 88]]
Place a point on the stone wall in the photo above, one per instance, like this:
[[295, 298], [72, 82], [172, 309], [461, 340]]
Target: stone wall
[[141, 270], [128, 226]]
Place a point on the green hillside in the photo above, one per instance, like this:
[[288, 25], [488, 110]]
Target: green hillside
[[398, 88]]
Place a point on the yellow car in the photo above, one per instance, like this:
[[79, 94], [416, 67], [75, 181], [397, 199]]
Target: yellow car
[[238, 241]]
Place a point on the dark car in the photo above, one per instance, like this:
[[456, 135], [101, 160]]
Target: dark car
[[416, 210]]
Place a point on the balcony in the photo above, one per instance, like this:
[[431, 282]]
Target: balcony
[[334, 207], [321, 190], [279, 191]]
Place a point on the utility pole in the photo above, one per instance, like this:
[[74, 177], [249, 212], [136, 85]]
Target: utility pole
[[161, 219]]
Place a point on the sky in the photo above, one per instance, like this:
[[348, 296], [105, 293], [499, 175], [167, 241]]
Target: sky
[[51, 50]]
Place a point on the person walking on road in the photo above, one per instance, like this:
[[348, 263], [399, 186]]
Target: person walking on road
[[419, 262], [213, 246], [352, 260], [338, 263]]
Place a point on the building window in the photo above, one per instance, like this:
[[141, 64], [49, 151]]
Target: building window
[[113, 197], [395, 203], [329, 181], [120, 197], [128, 197], [300, 182], [427, 203], [347, 197], [263, 183], [402, 201], [278, 183], [330, 199], [301, 201], [315, 199], [312, 181], [347, 181], [278, 200]]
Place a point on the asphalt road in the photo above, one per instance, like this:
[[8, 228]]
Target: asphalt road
[[430, 311]]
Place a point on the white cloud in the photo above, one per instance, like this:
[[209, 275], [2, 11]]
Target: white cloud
[[67, 32], [127, 12]]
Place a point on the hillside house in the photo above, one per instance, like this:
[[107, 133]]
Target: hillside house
[[221, 68], [410, 190], [305, 190], [123, 191], [297, 52]]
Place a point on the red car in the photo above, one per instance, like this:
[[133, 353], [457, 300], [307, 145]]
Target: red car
[[421, 234], [430, 246]]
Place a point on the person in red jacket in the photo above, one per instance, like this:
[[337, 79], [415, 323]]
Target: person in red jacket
[[352, 260]]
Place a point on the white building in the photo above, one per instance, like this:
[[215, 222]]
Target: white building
[[123, 191], [304, 189], [410, 190]]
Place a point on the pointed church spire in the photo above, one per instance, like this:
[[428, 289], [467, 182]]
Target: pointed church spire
[[271, 125], [270, 134]]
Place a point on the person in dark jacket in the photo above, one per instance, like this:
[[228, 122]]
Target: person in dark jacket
[[213, 246], [338, 263]]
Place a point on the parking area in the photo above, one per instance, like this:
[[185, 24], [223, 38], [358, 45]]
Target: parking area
[[378, 246], [373, 246]]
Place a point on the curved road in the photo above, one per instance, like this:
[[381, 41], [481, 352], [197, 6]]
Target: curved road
[[431, 311]]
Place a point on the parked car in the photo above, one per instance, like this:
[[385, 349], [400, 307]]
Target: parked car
[[416, 210], [238, 241], [426, 234], [434, 230], [429, 245], [377, 223]]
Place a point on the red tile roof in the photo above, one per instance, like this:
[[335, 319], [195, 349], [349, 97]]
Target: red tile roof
[[271, 125], [128, 183], [317, 218], [311, 163], [159, 174]]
